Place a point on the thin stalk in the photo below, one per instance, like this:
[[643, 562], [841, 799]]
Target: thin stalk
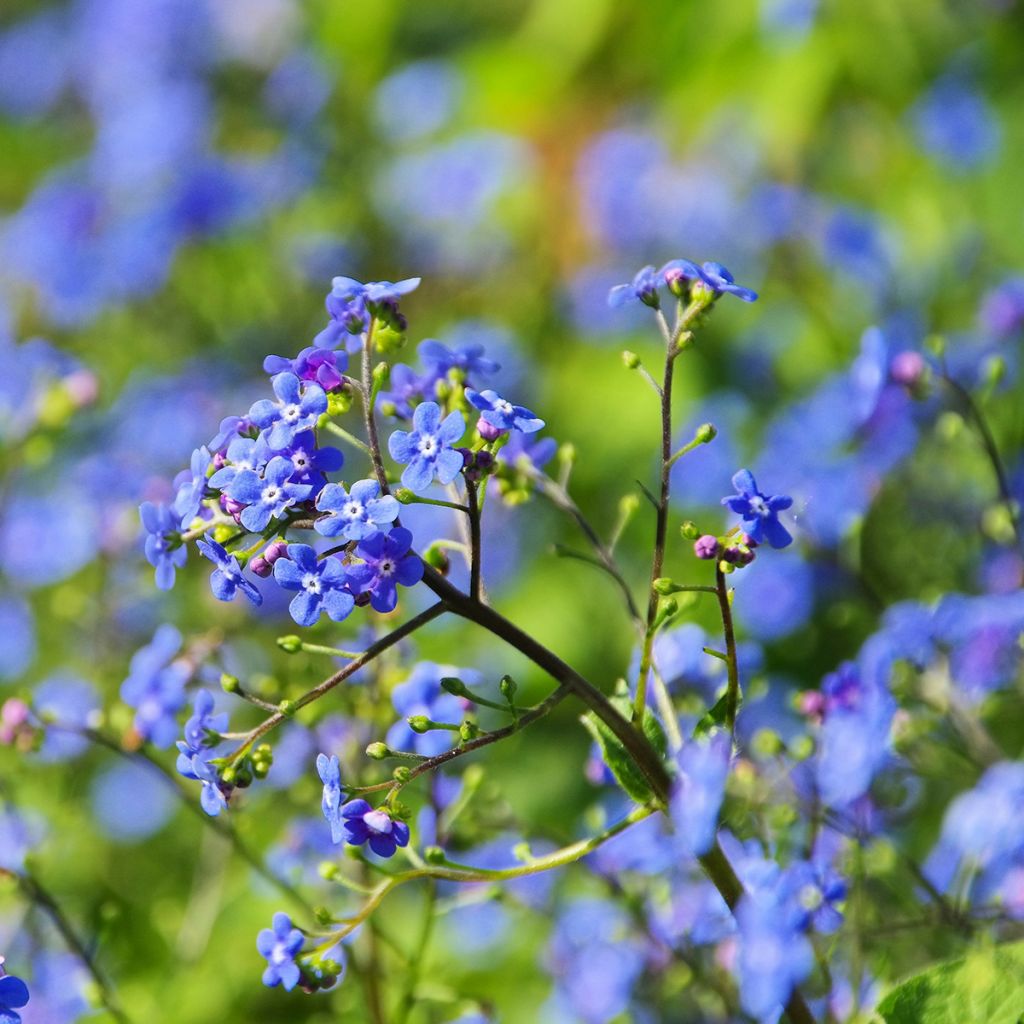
[[475, 545], [368, 413], [731, 663]]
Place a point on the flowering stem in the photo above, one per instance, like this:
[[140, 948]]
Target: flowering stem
[[637, 746], [732, 666], [416, 499], [340, 431], [474, 539], [368, 414]]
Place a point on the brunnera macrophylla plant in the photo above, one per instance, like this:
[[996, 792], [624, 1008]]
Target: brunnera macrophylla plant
[[268, 504]]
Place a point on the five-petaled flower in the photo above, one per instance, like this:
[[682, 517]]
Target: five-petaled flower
[[354, 514], [427, 448], [388, 562], [720, 281], [163, 551], [213, 796], [502, 414], [267, 497], [330, 774], [227, 579], [202, 733], [759, 510], [322, 585], [243, 453], [299, 405], [363, 824], [280, 945], [192, 487], [320, 365]]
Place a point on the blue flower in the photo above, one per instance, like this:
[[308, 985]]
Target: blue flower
[[310, 463], [354, 514], [955, 123], [421, 694], [774, 957], [703, 770], [427, 448], [365, 825], [227, 431], [13, 996], [676, 273], [192, 489], [351, 304], [760, 510], [502, 414], [213, 797], [388, 562], [406, 389], [322, 585], [202, 732], [227, 579], [469, 359], [298, 407], [330, 774], [279, 946], [155, 687], [243, 453], [720, 281], [163, 548], [810, 891], [267, 497], [643, 287]]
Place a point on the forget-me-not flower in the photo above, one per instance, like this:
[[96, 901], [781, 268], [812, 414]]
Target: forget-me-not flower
[[759, 510], [299, 405], [427, 449], [354, 514]]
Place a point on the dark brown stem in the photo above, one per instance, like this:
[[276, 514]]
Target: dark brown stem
[[475, 549], [368, 414], [732, 697]]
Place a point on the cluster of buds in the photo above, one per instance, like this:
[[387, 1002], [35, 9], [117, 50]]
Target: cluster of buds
[[733, 551]]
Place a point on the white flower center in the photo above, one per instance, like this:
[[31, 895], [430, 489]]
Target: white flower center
[[387, 567], [811, 897], [311, 583], [300, 460], [503, 406], [291, 413], [759, 506], [378, 821], [271, 495], [428, 444], [353, 510]]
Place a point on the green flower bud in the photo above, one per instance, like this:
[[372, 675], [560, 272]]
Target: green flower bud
[[287, 708], [663, 585], [322, 915], [689, 530], [705, 433], [419, 723], [456, 687], [328, 870], [468, 731], [630, 360], [437, 558], [290, 644], [381, 376], [433, 855], [508, 688], [388, 409], [378, 751], [223, 533], [388, 339], [404, 495], [339, 402], [229, 775], [402, 774], [230, 683]]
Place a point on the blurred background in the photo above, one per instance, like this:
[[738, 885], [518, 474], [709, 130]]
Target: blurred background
[[179, 181]]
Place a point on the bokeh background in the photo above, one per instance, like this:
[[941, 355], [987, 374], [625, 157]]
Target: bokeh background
[[179, 181]]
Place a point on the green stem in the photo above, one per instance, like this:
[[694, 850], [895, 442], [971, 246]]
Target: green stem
[[348, 437], [368, 413], [412, 974]]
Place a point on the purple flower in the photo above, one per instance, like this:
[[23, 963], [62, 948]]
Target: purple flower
[[760, 510], [330, 774], [227, 579], [427, 448], [319, 365], [388, 562], [192, 489], [720, 281], [354, 514], [202, 733], [502, 414], [643, 287], [267, 497], [163, 548], [1002, 309], [376, 827], [322, 585], [706, 546], [279, 946], [298, 407], [13, 996]]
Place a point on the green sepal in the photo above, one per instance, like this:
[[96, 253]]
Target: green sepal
[[714, 717]]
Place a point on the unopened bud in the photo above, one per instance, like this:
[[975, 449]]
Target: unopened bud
[[419, 723], [689, 530], [454, 686], [705, 433], [630, 360], [378, 751], [291, 644], [229, 683]]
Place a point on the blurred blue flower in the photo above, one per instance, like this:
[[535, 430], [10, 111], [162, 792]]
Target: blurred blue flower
[[69, 704], [330, 775], [421, 694], [417, 99], [130, 803], [155, 687], [955, 123], [280, 946], [700, 788], [18, 628]]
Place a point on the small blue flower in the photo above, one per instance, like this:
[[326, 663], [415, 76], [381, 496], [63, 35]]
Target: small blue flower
[[310, 462], [243, 453], [192, 489], [643, 287], [330, 774], [298, 407], [202, 733], [502, 414], [354, 514], [319, 365], [421, 694], [322, 585], [13, 996], [809, 892], [676, 272], [427, 448], [365, 825], [774, 957], [155, 687], [267, 497], [720, 281], [279, 946], [213, 796], [470, 359], [387, 562], [228, 430], [351, 304], [760, 510], [227, 579], [163, 551]]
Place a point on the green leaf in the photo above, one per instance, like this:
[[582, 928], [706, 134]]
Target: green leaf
[[985, 987], [714, 717], [615, 755]]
